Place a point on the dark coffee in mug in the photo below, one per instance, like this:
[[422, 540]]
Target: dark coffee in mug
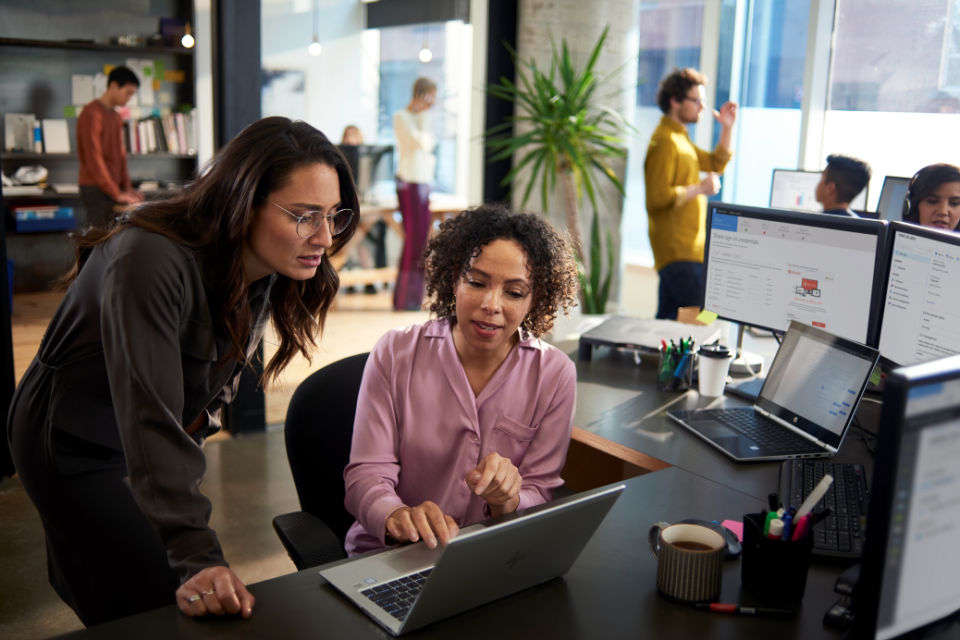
[[691, 545]]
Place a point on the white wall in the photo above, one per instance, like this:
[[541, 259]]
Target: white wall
[[335, 93]]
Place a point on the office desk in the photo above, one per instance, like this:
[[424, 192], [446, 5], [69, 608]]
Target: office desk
[[618, 400], [609, 593]]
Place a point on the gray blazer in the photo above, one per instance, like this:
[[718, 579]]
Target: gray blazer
[[130, 358]]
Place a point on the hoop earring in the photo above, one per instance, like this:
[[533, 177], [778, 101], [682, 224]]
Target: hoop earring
[[527, 322], [453, 306]]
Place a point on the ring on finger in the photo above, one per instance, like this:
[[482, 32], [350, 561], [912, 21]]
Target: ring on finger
[[208, 592], [194, 598]]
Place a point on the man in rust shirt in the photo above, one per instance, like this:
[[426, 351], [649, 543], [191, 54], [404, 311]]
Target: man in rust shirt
[[104, 179]]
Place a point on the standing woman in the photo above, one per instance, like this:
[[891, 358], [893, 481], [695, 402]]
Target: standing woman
[[415, 169], [162, 313], [933, 198]]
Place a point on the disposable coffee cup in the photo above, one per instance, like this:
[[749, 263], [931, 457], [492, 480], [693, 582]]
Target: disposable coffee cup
[[714, 364]]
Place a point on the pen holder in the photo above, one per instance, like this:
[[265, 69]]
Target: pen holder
[[773, 571], [675, 372]]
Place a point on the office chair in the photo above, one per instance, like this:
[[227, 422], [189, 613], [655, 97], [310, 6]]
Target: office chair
[[319, 431]]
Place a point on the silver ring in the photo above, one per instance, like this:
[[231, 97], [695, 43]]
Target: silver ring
[[194, 598], [209, 592]]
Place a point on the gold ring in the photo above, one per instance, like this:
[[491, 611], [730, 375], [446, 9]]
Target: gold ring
[[209, 592], [194, 598]]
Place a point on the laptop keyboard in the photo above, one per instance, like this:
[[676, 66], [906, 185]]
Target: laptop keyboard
[[397, 596], [773, 437], [841, 534]]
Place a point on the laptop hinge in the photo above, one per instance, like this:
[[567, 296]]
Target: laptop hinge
[[800, 432]]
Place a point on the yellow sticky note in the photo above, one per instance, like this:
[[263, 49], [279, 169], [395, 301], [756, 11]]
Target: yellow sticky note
[[707, 317], [107, 68], [875, 377], [156, 85]]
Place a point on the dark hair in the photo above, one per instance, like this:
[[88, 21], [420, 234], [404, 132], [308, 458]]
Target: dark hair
[[553, 272], [925, 182], [122, 76], [677, 85], [849, 175], [212, 217]]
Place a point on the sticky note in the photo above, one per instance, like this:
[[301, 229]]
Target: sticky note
[[707, 317], [69, 111], [875, 376], [174, 75], [158, 67], [736, 527], [107, 68], [156, 85]]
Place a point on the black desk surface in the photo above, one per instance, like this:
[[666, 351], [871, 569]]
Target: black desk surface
[[609, 593], [618, 400]]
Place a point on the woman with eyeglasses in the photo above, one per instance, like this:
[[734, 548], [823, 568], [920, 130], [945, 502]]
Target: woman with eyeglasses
[[467, 416], [163, 311]]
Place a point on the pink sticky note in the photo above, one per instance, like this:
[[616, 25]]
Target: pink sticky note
[[736, 527]]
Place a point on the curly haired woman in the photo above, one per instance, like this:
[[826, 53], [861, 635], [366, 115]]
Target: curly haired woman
[[467, 416]]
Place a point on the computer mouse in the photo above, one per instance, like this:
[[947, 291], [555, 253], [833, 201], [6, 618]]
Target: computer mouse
[[734, 548]]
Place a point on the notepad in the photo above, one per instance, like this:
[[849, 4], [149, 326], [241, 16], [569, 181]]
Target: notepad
[[56, 136]]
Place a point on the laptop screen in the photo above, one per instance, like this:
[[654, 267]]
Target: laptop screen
[[816, 381], [915, 506]]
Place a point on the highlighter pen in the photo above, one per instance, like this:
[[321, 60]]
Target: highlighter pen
[[776, 529], [759, 612], [800, 531], [818, 492], [770, 518]]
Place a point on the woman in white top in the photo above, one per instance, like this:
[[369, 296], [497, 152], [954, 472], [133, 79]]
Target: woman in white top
[[417, 164]]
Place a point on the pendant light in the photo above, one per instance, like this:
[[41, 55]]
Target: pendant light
[[315, 49]]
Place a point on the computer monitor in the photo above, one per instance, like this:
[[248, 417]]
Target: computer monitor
[[797, 191], [908, 578], [363, 161], [764, 268], [920, 306], [892, 194]]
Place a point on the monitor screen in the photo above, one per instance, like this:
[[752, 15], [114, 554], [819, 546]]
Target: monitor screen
[[797, 191], [765, 268], [892, 194], [920, 310], [911, 563]]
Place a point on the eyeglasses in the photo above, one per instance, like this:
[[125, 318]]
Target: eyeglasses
[[309, 222], [698, 99]]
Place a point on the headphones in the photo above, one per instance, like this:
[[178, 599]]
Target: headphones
[[907, 197]]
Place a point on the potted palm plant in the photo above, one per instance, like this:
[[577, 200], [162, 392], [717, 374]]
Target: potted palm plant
[[564, 136]]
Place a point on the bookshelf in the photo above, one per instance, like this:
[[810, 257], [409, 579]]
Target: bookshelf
[[43, 44]]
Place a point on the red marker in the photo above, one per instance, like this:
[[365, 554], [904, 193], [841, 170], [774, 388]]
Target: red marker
[[760, 612]]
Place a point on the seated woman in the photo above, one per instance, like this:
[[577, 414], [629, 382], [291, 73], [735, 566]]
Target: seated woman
[[934, 197], [467, 416]]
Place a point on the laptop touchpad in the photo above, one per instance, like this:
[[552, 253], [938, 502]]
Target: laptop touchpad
[[407, 559], [714, 429]]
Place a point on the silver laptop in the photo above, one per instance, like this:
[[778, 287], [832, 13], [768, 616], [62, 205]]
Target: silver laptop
[[414, 585], [805, 406]]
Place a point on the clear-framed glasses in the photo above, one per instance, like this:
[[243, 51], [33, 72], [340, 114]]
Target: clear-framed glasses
[[698, 100], [308, 223]]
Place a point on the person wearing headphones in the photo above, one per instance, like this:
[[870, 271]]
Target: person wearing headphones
[[933, 198]]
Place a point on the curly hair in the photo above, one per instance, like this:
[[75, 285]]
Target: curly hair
[[677, 85], [553, 272]]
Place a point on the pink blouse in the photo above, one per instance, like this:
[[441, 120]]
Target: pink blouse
[[419, 428]]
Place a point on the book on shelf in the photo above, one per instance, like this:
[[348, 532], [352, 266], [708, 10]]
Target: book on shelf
[[22, 190], [171, 133], [64, 187], [56, 136]]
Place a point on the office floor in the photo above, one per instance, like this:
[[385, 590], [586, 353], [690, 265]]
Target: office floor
[[248, 478]]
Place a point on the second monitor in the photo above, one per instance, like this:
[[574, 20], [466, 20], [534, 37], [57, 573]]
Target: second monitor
[[797, 191], [764, 268]]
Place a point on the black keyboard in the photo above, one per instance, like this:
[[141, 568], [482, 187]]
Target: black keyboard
[[773, 437], [397, 596], [841, 534]]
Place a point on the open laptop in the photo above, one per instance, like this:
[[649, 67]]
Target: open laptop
[[805, 406], [414, 585]]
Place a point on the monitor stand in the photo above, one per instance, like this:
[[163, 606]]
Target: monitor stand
[[746, 363]]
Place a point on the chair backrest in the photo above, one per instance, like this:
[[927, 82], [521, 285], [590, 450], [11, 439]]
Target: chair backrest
[[319, 432]]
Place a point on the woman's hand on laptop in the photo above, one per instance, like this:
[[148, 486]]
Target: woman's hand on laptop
[[498, 482], [426, 521], [215, 591]]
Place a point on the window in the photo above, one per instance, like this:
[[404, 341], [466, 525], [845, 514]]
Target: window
[[896, 56]]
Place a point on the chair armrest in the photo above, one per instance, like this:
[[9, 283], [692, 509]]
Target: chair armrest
[[308, 540]]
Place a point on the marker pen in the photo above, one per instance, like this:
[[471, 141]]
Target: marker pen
[[776, 529]]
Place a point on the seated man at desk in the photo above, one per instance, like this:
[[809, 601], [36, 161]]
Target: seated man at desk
[[467, 416], [842, 181]]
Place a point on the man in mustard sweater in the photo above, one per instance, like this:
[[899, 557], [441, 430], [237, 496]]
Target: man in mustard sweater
[[676, 196]]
